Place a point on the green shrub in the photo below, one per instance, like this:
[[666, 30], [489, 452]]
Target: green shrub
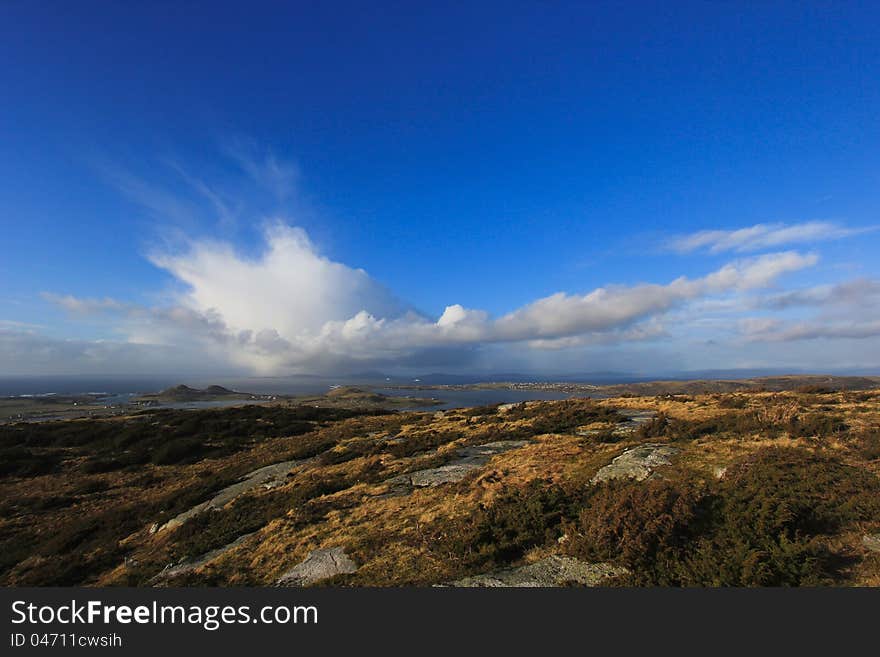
[[563, 416], [90, 486], [746, 423], [480, 411], [656, 427], [24, 462], [34, 504], [645, 526], [518, 520], [867, 444], [763, 524], [815, 424], [178, 451], [101, 464], [117, 443], [815, 389]]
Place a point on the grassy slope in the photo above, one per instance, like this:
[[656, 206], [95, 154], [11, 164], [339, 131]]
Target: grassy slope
[[80, 519]]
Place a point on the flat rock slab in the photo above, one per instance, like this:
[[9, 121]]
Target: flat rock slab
[[637, 414], [872, 542], [635, 418], [481, 454], [445, 474], [636, 463], [191, 564], [466, 459], [390, 439], [552, 571], [317, 566], [269, 476]]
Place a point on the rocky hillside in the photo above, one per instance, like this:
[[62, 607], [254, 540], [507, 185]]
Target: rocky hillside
[[743, 489]]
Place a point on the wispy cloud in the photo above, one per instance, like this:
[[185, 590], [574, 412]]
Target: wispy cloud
[[762, 236], [861, 292], [778, 331], [277, 176], [12, 325], [227, 215], [162, 206], [246, 186], [83, 306]]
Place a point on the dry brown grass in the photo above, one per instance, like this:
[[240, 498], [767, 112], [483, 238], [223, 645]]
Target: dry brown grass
[[387, 535]]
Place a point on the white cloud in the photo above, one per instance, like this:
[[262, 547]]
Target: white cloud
[[778, 331], [762, 236], [290, 288], [292, 309], [612, 307], [862, 292]]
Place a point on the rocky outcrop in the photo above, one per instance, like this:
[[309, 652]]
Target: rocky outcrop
[[635, 418], [636, 463], [466, 459], [269, 476], [554, 570], [189, 565], [317, 566], [872, 542], [445, 474]]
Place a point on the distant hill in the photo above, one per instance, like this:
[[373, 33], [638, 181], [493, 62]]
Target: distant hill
[[184, 393]]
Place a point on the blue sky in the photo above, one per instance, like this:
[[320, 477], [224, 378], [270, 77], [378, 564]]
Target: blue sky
[[481, 156]]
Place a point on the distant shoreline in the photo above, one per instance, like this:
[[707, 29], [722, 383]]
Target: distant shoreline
[[667, 386], [56, 406]]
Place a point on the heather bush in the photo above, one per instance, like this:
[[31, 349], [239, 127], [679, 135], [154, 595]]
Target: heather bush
[[763, 524]]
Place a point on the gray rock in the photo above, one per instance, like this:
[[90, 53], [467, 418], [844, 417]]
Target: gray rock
[[636, 463], [638, 415], [317, 566], [466, 459], [635, 419], [269, 476], [189, 565], [480, 454], [872, 542], [554, 570], [445, 474]]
